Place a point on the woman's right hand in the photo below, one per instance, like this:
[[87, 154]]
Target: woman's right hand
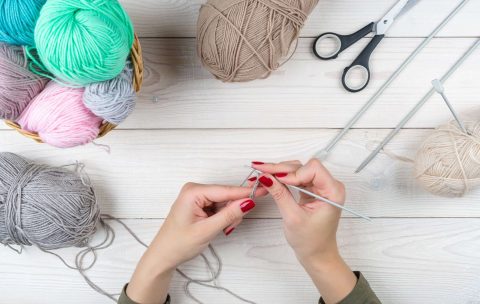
[[311, 225]]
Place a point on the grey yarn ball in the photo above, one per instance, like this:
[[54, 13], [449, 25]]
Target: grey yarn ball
[[44, 206], [113, 100]]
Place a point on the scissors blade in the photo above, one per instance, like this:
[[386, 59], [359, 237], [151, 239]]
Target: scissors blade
[[402, 6], [407, 7]]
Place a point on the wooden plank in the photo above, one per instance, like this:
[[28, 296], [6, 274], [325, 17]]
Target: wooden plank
[[146, 169], [433, 261], [305, 92], [178, 18]]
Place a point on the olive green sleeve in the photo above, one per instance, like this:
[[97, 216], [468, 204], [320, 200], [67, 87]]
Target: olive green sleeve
[[124, 299], [361, 293]]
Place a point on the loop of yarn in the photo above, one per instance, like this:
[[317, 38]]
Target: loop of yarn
[[60, 118], [113, 100], [48, 207], [18, 19], [448, 161], [18, 86], [83, 41], [243, 40]]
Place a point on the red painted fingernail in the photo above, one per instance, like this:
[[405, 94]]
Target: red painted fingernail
[[247, 206], [228, 231], [280, 174], [252, 179], [267, 182], [258, 163]]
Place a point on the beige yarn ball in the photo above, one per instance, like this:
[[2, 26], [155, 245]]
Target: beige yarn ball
[[448, 162], [243, 40]]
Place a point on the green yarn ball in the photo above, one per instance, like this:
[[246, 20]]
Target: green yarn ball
[[84, 41]]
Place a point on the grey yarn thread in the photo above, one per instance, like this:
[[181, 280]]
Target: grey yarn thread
[[113, 100], [55, 208]]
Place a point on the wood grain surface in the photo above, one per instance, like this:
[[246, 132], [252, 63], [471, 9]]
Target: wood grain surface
[[188, 126]]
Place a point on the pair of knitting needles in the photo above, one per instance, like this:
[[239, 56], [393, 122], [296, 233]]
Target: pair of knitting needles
[[419, 105], [318, 197], [331, 145]]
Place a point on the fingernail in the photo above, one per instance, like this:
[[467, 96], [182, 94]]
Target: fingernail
[[229, 230], [267, 182], [247, 206], [258, 163], [252, 179], [280, 174]]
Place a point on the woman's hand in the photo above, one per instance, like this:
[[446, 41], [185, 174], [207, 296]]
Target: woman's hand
[[198, 215], [311, 225]]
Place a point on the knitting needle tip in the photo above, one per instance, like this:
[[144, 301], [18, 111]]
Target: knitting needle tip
[[437, 85]]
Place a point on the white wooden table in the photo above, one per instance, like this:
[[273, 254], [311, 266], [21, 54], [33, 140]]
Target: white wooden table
[[418, 249]]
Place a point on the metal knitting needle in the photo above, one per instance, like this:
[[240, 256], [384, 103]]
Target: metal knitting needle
[[417, 107], [324, 152], [321, 198], [437, 85]]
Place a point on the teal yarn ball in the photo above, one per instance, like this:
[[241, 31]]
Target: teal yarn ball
[[18, 19], [84, 41]]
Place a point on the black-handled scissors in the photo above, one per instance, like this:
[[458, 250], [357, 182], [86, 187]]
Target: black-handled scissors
[[361, 63]]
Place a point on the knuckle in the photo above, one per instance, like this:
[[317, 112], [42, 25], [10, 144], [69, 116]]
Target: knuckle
[[315, 162], [278, 193], [230, 216], [188, 186]]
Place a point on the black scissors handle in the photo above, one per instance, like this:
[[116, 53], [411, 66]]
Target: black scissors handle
[[342, 42], [361, 64]]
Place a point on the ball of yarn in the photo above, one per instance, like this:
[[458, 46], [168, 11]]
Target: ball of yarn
[[60, 118], [18, 86], [448, 162], [84, 41], [243, 40], [113, 100], [44, 206], [18, 19]]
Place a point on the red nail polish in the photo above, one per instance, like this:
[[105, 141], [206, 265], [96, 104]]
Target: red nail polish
[[267, 182], [252, 179], [247, 206], [280, 174], [258, 163], [228, 231]]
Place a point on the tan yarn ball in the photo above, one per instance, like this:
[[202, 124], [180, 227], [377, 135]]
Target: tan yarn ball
[[448, 162], [243, 40]]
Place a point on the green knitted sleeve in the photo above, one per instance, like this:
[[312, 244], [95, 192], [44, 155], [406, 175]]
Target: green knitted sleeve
[[361, 294], [124, 299]]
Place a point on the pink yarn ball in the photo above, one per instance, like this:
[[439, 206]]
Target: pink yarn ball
[[60, 118]]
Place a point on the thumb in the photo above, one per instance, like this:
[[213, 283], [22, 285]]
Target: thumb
[[232, 213], [280, 193]]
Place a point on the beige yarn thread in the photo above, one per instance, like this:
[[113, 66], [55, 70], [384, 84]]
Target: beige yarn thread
[[448, 161], [244, 40]]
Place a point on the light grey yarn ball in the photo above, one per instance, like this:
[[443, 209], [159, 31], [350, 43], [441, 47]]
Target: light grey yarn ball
[[44, 206], [112, 100], [448, 161]]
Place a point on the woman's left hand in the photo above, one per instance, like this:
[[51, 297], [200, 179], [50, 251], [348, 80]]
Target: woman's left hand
[[198, 215]]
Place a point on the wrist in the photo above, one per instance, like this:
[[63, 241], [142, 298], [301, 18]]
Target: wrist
[[331, 275], [321, 262]]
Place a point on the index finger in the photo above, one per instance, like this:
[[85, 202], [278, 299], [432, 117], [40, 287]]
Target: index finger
[[221, 193], [314, 174]]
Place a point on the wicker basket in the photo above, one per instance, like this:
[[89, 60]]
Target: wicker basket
[[137, 61]]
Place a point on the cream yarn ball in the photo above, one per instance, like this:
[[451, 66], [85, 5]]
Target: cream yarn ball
[[448, 162]]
